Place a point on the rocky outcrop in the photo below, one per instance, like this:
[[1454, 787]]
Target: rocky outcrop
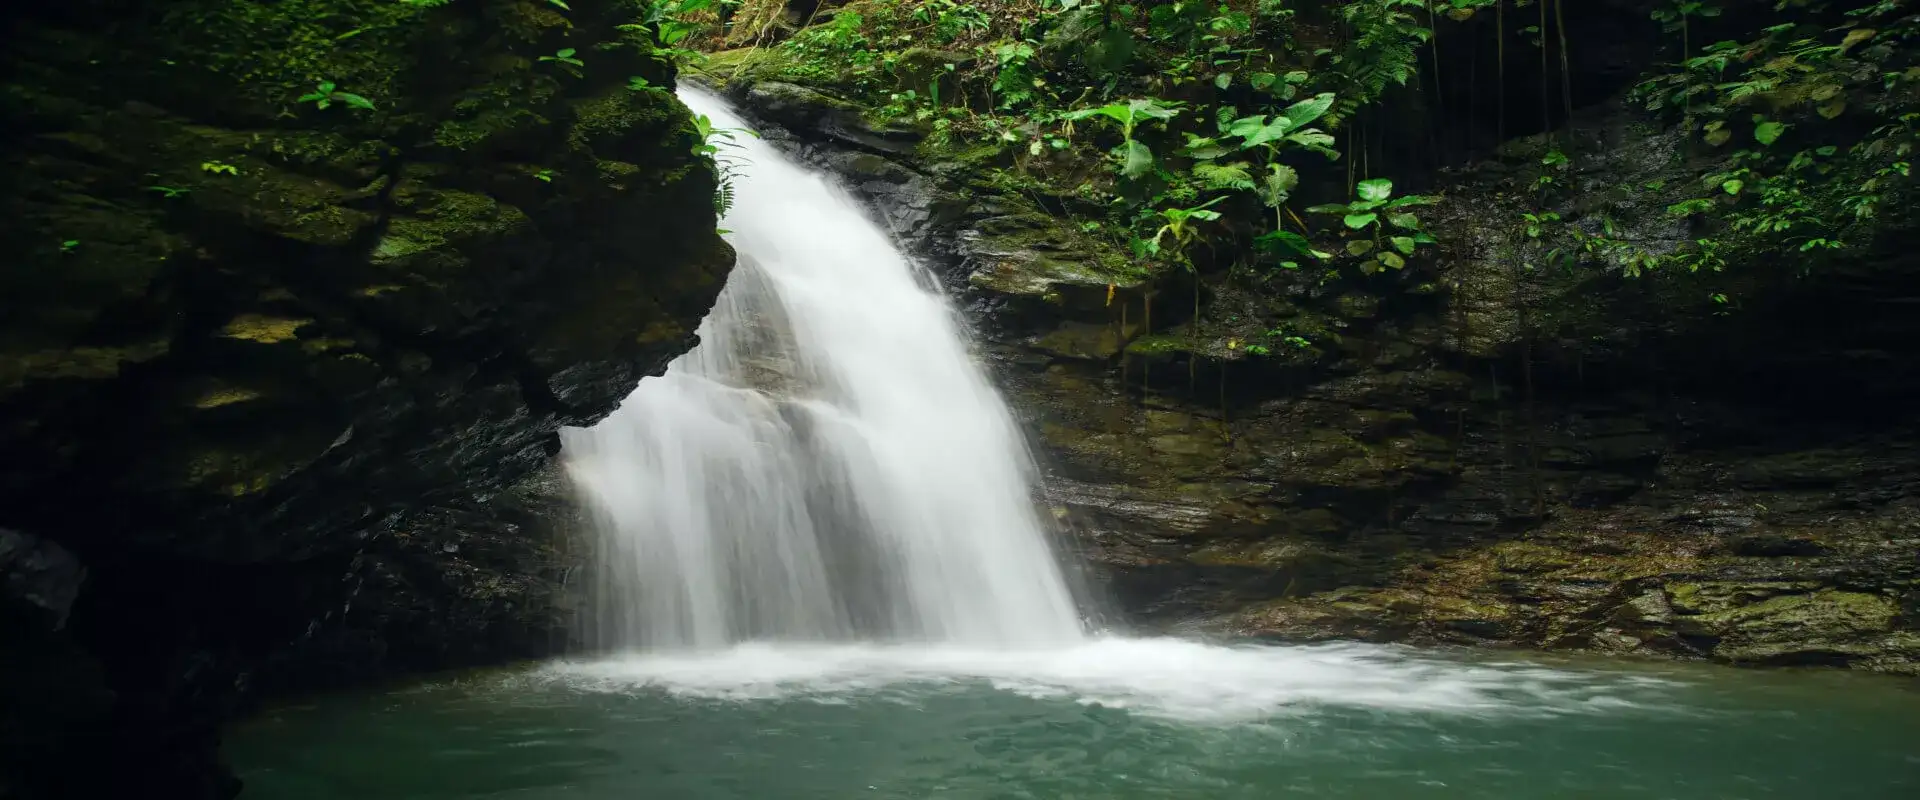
[[299, 295], [1488, 448]]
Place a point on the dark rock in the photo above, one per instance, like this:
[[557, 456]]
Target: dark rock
[[1772, 545], [282, 335], [39, 578]]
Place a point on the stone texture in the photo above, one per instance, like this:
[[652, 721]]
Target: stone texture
[[1481, 454], [268, 369]]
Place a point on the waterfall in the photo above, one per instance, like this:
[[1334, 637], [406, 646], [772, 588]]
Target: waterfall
[[828, 463]]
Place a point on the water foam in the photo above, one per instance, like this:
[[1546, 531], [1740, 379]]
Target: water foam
[[1163, 678]]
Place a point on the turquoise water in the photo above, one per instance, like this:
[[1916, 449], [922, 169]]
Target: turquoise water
[[1114, 719]]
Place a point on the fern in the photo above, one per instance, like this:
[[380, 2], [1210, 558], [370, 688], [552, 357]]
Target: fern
[[1383, 52], [1214, 177], [724, 172]]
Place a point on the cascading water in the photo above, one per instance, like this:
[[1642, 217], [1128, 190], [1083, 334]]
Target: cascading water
[[828, 463]]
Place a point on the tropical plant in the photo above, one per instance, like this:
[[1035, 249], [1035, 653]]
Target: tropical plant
[[1132, 158], [1390, 233], [325, 94], [711, 143], [565, 58]]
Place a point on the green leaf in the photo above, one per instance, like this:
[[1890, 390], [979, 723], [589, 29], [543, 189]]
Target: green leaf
[[1359, 247], [1316, 140], [1223, 80], [1328, 208], [1136, 161], [566, 53], [1149, 108], [1376, 189], [1768, 132], [1204, 215], [1284, 241], [1358, 221], [1278, 185], [1308, 110], [1404, 221], [1733, 185], [1256, 130], [353, 100], [1413, 200], [1262, 81], [1205, 148], [1404, 244], [1392, 260], [563, 6]]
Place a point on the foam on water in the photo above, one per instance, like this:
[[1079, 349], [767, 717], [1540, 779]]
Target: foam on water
[[1158, 677]]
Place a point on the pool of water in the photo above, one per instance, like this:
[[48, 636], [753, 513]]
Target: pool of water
[[1114, 719]]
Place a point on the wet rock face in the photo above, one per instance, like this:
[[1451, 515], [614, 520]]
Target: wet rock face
[[271, 343], [1488, 455]]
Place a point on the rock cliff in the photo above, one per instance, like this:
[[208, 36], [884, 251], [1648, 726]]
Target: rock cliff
[[298, 294], [1486, 451]]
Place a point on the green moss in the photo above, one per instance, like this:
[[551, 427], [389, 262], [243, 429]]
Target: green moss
[[1159, 344], [80, 363], [225, 396], [618, 113], [1826, 613], [440, 223], [273, 52], [263, 329]]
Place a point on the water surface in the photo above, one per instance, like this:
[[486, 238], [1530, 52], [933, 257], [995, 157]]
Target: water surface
[[1113, 718]]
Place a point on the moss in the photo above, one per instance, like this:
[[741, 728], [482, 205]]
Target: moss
[[618, 113], [1530, 557], [82, 363], [1721, 597], [325, 345], [263, 329], [441, 222], [1159, 344], [226, 396], [1822, 614], [271, 53]]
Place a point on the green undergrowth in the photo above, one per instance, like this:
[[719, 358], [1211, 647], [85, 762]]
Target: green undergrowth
[[1795, 151], [1229, 138]]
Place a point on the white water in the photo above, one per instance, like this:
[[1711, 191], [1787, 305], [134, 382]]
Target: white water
[[826, 500], [1164, 678], [828, 464]]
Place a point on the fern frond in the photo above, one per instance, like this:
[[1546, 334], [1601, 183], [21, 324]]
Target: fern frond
[[1215, 177]]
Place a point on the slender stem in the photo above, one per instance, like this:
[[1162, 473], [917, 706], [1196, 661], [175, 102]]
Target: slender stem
[[1439, 88], [1546, 97], [1566, 68], [1500, 57]]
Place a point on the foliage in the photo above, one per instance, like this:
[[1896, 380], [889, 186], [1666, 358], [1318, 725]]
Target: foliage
[[1388, 233], [1202, 106], [326, 94], [1133, 158], [713, 143], [1814, 126]]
